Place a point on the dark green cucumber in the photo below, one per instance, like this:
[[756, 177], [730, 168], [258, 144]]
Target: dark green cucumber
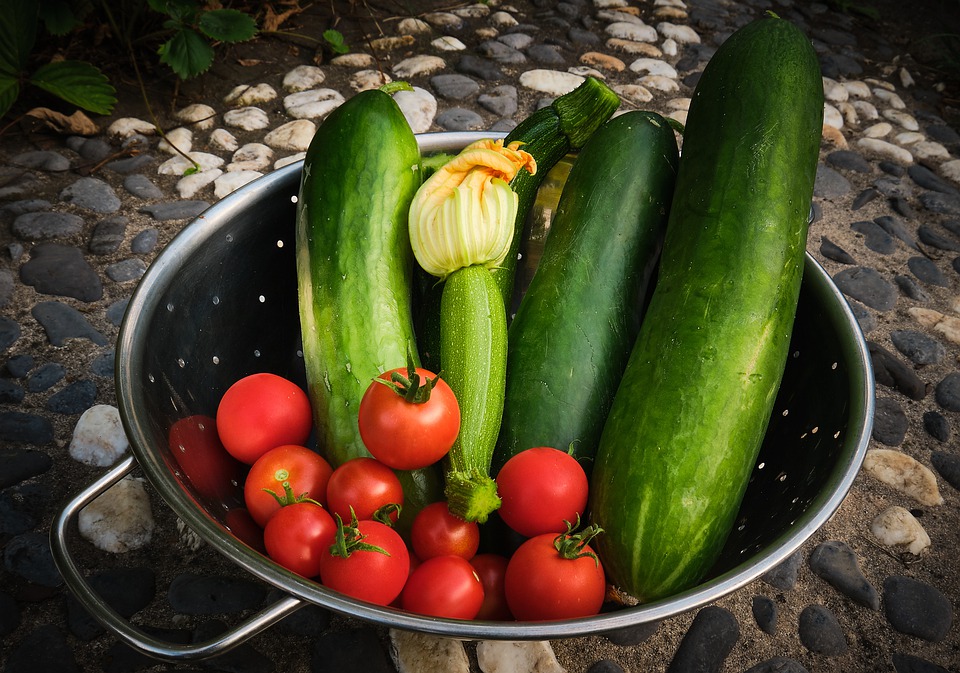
[[354, 264], [574, 328], [688, 419]]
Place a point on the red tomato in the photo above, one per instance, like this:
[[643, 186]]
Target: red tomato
[[242, 526], [491, 569], [437, 532], [297, 535], [260, 412], [364, 484], [355, 569], [541, 583], [540, 490], [408, 434], [291, 472], [213, 473], [444, 586]]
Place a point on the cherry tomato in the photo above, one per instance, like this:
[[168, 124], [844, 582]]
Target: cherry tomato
[[366, 485], [213, 473], [412, 428], [491, 569], [543, 583], [297, 535], [260, 412], [444, 586], [541, 489], [291, 472], [437, 532], [372, 563]]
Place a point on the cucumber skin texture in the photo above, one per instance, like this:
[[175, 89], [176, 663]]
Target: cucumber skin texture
[[355, 264], [597, 261], [691, 412]]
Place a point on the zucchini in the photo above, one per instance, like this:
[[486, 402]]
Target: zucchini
[[692, 408], [354, 267], [598, 258]]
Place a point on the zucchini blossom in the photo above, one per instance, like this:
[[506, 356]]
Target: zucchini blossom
[[464, 213]]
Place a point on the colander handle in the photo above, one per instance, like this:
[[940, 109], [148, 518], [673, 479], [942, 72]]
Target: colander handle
[[107, 616]]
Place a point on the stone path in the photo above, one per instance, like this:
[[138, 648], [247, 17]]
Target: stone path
[[874, 590]]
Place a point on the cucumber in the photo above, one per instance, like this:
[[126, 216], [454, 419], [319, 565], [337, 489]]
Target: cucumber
[[598, 258], [354, 267], [692, 408]]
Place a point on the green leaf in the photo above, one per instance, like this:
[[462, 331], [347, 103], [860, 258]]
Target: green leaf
[[9, 90], [187, 53], [77, 82], [18, 31], [58, 17], [335, 39], [228, 25]]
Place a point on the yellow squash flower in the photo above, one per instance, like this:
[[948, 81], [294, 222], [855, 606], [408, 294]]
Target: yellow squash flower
[[464, 213]]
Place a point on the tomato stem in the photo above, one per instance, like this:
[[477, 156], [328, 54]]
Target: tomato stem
[[288, 497], [348, 539], [572, 545], [410, 387], [385, 512]]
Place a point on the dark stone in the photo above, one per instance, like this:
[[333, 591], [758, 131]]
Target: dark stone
[[460, 119], [28, 556], [126, 590], [9, 333], [707, 642], [907, 663], [864, 197], [76, 398], [936, 425], [830, 184], [144, 242], [43, 226], [546, 54], [945, 204], [867, 286], [175, 210], [21, 464], [501, 101], [765, 613], [943, 133], [140, 186], [889, 422], [630, 636], [927, 271], [242, 659], [820, 632], [479, 67], [605, 666], [191, 594], [62, 322], [947, 393], [901, 206], [916, 608], [778, 665], [948, 466], [14, 517], [20, 428], [831, 250], [126, 270], [61, 270], [20, 365], [130, 164], [310, 621], [357, 649], [836, 563], [784, 575], [104, 364], [454, 86], [932, 237], [849, 160], [579, 35], [910, 288], [91, 194], [45, 377], [108, 235], [9, 614], [875, 237], [116, 311], [895, 227], [45, 648], [10, 392], [919, 347], [122, 658], [890, 371], [927, 179]]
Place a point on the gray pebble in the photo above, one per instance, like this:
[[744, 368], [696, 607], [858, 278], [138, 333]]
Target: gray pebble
[[130, 164], [831, 250], [895, 227], [830, 184], [42, 160], [864, 197], [140, 186], [483, 68], [103, 365], [928, 272], [850, 161], [945, 204], [916, 608], [778, 665], [43, 226], [936, 425], [74, 399], [91, 194], [784, 575], [501, 101], [175, 210], [911, 288], [820, 632], [9, 332], [836, 563], [20, 365], [126, 270], [707, 642], [630, 636], [765, 613], [546, 54], [499, 52], [94, 149], [6, 287], [61, 270], [460, 119], [22, 428], [865, 317], [62, 322], [454, 86], [953, 226], [890, 371], [144, 242], [902, 207], [518, 41], [867, 286], [947, 392], [919, 347], [116, 310], [578, 35], [948, 466], [11, 392], [45, 377], [907, 663], [889, 422], [927, 234], [108, 235], [943, 133], [25, 206], [191, 594], [891, 168], [927, 179], [891, 187], [28, 556], [875, 237]]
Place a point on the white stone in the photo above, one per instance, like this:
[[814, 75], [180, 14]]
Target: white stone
[[886, 150], [654, 66], [832, 116], [634, 93], [897, 527], [246, 95], [857, 89], [660, 83], [679, 104], [232, 181], [616, 16], [475, 11], [550, 81], [909, 138], [198, 115], [303, 78], [443, 20], [879, 83], [947, 325], [951, 170], [98, 437], [180, 138], [928, 149], [119, 520], [632, 31], [129, 126], [286, 161], [890, 98], [295, 135], [833, 91], [878, 130], [499, 656], [419, 107], [902, 118], [251, 157], [413, 26], [354, 60], [866, 109], [670, 47], [178, 164], [906, 79], [903, 474], [223, 139], [363, 80], [448, 43], [189, 185], [679, 4], [609, 4], [486, 33], [503, 20], [850, 116], [586, 71], [425, 653], [678, 32], [679, 115], [312, 104], [247, 119], [422, 64]]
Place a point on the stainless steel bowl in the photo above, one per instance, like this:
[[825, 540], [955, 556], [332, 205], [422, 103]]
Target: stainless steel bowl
[[220, 302]]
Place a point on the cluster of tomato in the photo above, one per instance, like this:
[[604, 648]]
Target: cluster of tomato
[[338, 525]]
